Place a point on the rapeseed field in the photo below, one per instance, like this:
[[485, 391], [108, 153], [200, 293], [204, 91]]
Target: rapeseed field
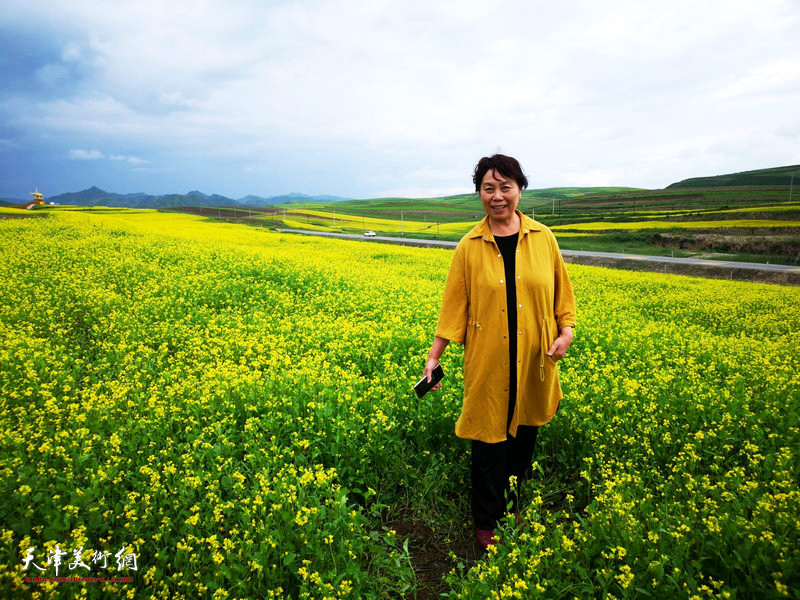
[[326, 220], [218, 411]]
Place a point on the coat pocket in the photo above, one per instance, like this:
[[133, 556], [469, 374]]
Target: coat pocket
[[547, 339]]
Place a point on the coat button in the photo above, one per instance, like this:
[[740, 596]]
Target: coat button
[[498, 256], [520, 305], [520, 332], [501, 281]]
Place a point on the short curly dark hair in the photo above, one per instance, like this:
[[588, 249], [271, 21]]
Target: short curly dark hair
[[507, 166]]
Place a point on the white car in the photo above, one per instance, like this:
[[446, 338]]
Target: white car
[[369, 234]]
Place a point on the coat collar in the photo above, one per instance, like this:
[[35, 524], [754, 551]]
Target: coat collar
[[526, 225]]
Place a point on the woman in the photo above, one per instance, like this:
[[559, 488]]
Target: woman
[[509, 300]]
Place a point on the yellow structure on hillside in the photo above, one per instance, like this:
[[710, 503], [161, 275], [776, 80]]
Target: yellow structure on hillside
[[38, 198]]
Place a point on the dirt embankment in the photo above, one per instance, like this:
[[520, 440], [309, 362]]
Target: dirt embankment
[[779, 277], [748, 241]]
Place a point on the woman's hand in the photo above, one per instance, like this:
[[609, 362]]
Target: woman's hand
[[439, 344], [561, 344], [430, 365]]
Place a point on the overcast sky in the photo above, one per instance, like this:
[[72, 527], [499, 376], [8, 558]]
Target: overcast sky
[[374, 98]]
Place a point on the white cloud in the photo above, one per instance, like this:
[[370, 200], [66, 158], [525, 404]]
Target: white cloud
[[779, 78], [71, 52], [52, 74], [133, 160], [80, 154]]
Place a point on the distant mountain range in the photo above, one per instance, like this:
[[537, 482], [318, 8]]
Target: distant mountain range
[[94, 196]]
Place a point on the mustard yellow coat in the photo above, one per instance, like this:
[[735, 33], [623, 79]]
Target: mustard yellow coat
[[473, 313]]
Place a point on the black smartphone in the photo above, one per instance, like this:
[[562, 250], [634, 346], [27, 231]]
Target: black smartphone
[[422, 387]]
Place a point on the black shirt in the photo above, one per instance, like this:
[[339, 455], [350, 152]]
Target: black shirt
[[508, 248]]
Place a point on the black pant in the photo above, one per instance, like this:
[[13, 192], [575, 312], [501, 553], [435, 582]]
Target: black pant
[[492, 465]]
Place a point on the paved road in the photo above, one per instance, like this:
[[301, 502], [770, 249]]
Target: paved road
[[722, 264]]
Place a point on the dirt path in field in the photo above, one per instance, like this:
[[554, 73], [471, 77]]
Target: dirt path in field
[[430, 555]]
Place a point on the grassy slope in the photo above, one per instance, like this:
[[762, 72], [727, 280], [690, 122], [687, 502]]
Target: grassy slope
[[773, 176]]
